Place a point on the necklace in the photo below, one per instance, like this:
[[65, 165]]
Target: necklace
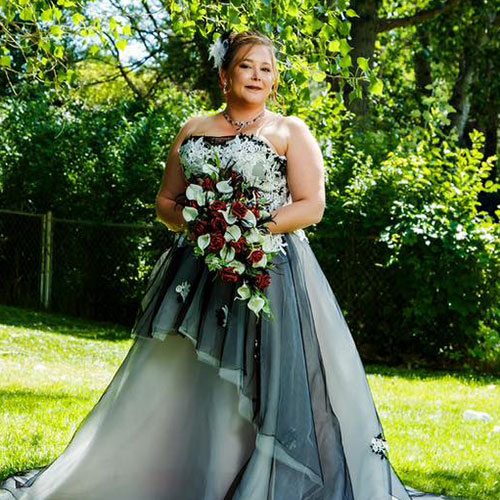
[[240, 125]]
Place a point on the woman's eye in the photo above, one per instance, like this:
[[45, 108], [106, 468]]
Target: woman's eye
[[246, 66]]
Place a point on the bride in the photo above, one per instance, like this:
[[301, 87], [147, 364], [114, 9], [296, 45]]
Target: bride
[[211, 401]]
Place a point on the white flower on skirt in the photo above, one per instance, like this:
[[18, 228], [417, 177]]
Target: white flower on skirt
[[183, 289], [379, 445]]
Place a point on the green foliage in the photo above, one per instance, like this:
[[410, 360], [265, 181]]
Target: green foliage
[[37, 34], [92, 163], [439, 254], [95, 162]]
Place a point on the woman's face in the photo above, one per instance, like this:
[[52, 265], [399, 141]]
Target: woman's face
[[253, 76]]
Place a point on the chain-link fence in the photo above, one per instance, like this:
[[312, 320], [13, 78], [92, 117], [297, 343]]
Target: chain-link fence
[[99, 270], [84, 268]]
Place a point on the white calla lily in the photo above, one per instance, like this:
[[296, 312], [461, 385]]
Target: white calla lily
[[250, 218], [208, 169], [233, 233], [256, 303], [227, 253], [238, 266], [203, 241], [189, 213], [253, 236], [193, 191], [228, 216], [224, 187], [268, 243], [244, 292]]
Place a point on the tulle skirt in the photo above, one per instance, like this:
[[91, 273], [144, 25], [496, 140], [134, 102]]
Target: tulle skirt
[[212, 404]]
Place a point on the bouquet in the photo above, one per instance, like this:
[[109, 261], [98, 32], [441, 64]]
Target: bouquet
[[227, 224]]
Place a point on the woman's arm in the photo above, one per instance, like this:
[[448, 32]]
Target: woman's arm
[[306, 181], [172, 185]]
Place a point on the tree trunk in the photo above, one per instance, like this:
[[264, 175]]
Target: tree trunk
[[364, 35], [423, 74], [460, 99]]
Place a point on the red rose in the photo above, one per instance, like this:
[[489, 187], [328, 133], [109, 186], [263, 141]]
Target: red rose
[[256, 255], [200, 228], [262, 280], [218, 222], [218, 205], [208, 184], [235, 177], [239, 245], [229, 275], [217, 241], [239, 209], [192, 203], [256, 212]]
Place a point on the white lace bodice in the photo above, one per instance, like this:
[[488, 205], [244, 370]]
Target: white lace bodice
[[253, 157]]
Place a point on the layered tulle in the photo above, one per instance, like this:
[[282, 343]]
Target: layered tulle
[[299, 376], [213, 404]]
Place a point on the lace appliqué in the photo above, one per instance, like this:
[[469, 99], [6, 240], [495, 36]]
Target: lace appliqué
[[379, 446], [183, 289], [221, 315]]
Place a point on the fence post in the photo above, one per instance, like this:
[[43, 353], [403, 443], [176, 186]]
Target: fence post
[[47, 255]]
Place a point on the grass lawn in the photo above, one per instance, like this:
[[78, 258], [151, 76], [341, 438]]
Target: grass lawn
[[53, 370]]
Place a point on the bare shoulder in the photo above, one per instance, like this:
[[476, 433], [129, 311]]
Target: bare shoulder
[[296, 126], [191, 126], [299, 135]]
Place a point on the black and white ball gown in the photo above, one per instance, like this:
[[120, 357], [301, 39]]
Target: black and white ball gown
[[212, 404]]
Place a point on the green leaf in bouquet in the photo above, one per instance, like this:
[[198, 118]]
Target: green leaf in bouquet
[[217, 159], [213, 262], [198, 252], [266, 310]]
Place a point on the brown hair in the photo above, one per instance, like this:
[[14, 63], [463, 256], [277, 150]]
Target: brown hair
[[250, 38]]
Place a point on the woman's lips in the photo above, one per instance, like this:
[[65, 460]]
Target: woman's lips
[[253, 88]]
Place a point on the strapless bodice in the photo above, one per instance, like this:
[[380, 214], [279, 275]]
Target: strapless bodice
[[248, 154]]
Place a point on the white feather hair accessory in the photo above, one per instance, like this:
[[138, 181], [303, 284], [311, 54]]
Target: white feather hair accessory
[[218, 50]]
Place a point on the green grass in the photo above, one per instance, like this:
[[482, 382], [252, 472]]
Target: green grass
[[53, 369]]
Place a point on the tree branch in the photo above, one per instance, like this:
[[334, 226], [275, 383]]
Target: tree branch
[[419, 17]]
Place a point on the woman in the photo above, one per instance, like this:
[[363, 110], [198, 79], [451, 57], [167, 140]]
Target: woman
[[213, 402]]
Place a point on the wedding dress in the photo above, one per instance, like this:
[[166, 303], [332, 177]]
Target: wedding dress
[[211, 404]]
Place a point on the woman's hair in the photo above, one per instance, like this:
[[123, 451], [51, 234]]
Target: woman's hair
[[250, 38]]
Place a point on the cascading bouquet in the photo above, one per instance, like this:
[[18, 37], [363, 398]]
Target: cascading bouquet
[[227, 224]]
